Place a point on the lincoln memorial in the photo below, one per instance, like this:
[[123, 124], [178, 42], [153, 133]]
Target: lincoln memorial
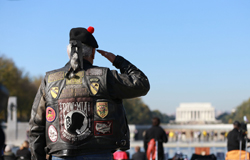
[[195, 112]]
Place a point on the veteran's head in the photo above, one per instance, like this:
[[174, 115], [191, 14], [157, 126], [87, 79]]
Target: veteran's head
[[83, 39]]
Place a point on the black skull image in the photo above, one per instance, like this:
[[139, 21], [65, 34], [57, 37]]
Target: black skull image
[[75, 123]]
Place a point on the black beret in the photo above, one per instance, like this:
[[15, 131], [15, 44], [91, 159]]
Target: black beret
[[84, 35]]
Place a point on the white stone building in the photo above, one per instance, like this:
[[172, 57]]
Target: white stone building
[[195, 112]]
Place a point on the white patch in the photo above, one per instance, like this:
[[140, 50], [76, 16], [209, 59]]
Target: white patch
[[52, 133]]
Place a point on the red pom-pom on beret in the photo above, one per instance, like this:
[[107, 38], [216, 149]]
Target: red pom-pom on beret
[[91, 29]]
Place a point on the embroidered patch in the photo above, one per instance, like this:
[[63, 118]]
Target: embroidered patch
[[94, 72], [56, 76], [75, 119], [77, 79], [80, 92], [93, 79], [102, 109], [94, 87], [54, 92], [52, 132], [74, 92], [103, 128], [50, 114], [67, 93]]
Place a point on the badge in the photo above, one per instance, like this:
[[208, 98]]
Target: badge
[[56, 76], [94, 87], [81, 92], [102, 109], [103, 128], [54, 92], [93, 79], [50, 114], [75, 119], [94, 72], [67, 93], [52, 132], [71, 92]]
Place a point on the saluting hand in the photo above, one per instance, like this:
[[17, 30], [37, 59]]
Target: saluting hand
[[110, 56]]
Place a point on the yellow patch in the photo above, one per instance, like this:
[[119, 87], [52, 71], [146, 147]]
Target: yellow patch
[[77, 79], [54, 92], [56, 76], [102, 109], [94, 87]]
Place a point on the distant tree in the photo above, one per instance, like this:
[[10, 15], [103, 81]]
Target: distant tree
[[241, 111], [157, 113], [137, 112], [37, 81], [169, 118], [19, 85], [224, 117], [164, 117]]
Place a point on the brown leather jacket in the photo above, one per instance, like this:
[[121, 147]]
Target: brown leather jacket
[[84, 115]]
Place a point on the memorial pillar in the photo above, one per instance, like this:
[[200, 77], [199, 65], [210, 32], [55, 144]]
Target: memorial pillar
[[202, 115], [177, 115], [11, 134]]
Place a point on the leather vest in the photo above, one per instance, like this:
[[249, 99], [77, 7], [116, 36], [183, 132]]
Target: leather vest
[[80, 116]]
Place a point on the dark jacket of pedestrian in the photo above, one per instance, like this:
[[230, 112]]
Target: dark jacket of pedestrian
[[23, 154], [8, 154], [236, 137], [233, 140], [156, 132], [139, 156]]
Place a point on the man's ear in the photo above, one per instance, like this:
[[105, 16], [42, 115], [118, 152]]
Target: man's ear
[[69, 50]]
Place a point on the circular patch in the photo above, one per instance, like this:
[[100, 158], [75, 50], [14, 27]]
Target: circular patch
[[50, 114], [52, 132]]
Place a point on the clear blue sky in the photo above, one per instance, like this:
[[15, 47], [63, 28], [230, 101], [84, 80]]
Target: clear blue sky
[[191, 50]]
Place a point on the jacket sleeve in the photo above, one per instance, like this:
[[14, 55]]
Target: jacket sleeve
[[131, 83], [37, 126], [145, 142], [165, 137]]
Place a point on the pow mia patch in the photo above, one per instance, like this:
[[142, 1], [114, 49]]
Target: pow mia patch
[[75, 119], [56, 76], [103, 128], [102, 109], [52, 133], [50, 114], [54, 92]]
